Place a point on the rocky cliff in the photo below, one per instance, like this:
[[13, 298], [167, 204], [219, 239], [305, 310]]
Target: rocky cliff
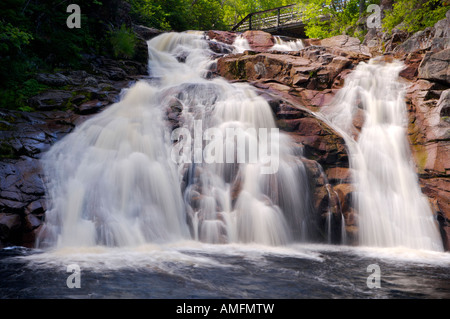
[[296, 84]]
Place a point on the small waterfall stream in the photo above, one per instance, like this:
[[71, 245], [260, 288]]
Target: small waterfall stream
[[392, 209]]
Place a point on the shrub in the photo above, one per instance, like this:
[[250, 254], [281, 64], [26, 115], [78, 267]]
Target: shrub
[[123, 42]]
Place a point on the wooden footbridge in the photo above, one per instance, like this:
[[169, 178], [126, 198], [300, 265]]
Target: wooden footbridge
[[285, 20]]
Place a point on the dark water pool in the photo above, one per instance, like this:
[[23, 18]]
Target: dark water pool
[[192, 270]]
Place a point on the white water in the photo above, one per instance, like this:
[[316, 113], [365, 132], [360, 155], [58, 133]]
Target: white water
[[287, 46], [392, 210], [114, 181], [241, 44]]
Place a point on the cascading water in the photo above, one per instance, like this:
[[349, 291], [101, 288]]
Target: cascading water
[[292, 45], [124, 178], [241, 44], [392, 210]]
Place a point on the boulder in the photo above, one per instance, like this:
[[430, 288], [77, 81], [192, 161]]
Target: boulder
[[56, 79], [441, 40], [146, 33], [419, 41], [222, 36], [91, 107], [436, 67], [346, 43], [49, 100], [259, 40], [443, 105]]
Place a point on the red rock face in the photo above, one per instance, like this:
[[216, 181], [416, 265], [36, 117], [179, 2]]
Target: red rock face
[[222, 36], [259, 40]]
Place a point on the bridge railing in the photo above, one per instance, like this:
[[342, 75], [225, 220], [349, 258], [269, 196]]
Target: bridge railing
[[268, 19]]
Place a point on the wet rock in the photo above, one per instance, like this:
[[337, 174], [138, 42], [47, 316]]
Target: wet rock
[[438, 192], [91, 107]]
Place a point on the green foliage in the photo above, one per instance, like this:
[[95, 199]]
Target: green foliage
[[332, 17], [12, 38], [179, 15], [414, 15], [235, 10], [123, 42], [16, 96]]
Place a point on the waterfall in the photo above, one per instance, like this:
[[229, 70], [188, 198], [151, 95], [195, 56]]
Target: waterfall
[[179, 157], [392, 210], [240, 44], [286, 46]]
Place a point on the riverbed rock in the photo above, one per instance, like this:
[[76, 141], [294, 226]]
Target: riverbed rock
[[259, 40]]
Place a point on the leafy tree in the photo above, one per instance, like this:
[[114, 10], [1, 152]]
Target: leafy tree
[[326, 18], [414, 15], [179, 15]]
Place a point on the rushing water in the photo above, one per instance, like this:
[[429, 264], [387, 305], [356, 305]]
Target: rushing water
[[144, 202], [290, 45], [194, 270], [116, 180], [392, 209]]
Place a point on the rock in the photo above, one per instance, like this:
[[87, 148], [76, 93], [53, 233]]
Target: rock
[[412, 63], [49, 100], [91, 107], [419, 41], [56, 79], [441, 40], [90, 81], [259, 40], [315, 68], [436, 67], [145, 32], [346, 43], [222, 36], [141, 53], [438, 192], [9, 223], [443, 105]]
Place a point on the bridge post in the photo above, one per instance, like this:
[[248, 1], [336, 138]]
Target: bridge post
[[278, 18], [250, 22]]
